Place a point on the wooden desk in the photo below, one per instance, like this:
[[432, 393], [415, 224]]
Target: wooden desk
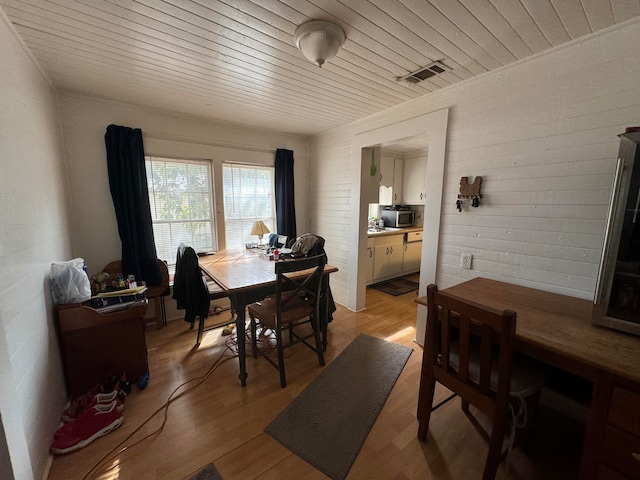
[[557, 330], [246, 277]]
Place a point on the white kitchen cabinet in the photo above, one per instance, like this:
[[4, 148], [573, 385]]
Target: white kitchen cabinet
[[386, 170], [390, 180], [387, 256], [414, 181], [411, 257], [370, 257]]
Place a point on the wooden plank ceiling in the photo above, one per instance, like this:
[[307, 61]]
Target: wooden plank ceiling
[[235, 60]]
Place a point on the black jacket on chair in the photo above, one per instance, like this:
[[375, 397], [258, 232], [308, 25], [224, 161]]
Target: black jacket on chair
[[310, 245], [189, 288]]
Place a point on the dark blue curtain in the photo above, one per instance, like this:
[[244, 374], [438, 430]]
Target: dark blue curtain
[[285, 203], [128, 185]]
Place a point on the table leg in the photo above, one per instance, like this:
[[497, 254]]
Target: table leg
[[324, 311], [240, 308]]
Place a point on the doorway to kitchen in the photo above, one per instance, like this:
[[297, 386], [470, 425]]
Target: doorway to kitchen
[[431, 129]]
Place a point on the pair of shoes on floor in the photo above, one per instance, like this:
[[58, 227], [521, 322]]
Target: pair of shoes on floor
[[101, 416], [112, 383]]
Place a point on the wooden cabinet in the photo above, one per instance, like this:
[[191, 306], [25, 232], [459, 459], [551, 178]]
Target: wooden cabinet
[[390, 180], [615, 436], [387, 256], [414, 181], [94, 345], [412, 252], [390, 256], [370, 257], [621, 440]]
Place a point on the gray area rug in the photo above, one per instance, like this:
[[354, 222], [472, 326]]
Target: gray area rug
[[208, 472], [398, 286], [329, 421]]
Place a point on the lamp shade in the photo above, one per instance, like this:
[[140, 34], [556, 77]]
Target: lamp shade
[[259, 228], [319, 40]]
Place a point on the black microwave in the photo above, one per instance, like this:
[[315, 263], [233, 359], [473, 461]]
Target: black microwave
[[398, 218]]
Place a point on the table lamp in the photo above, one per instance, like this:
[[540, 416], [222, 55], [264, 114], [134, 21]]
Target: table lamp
[[259, 229]]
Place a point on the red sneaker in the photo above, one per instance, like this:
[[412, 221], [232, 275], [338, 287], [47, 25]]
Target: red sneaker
[[112, 383], [80, 403], [86, 401], [100, 398], [91, 424]]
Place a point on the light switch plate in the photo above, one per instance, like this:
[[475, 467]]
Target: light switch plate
[[466, 260]]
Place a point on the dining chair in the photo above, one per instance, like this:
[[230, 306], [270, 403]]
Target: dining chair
[[296, 302], [154, 292], [469, 349], [190, 289]]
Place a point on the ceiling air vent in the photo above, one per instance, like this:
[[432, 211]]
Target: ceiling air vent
[[430, 70]]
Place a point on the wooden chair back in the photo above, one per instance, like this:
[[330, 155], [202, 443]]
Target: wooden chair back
[[296, 302], [465, 345], [291, 287], [154, 292], [115, 267]]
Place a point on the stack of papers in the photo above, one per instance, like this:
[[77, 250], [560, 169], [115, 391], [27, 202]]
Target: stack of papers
[[124, 291], [126, 295]]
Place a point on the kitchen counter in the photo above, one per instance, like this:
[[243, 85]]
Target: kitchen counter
[[392, 231]]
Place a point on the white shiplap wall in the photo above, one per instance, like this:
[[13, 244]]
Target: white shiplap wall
[[542, 134], [33, 233]]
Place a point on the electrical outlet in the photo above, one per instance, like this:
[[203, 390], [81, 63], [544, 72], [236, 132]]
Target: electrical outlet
[[466, 260]]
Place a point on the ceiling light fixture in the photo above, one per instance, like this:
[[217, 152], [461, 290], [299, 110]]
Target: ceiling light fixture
[[319, 40]]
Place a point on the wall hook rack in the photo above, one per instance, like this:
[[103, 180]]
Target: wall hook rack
[[469, 193]]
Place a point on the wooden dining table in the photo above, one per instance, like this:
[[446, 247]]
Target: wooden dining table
[[557, 330], [246, 276]]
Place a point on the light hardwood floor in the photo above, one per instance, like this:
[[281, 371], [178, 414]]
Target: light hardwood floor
[[221, 422]]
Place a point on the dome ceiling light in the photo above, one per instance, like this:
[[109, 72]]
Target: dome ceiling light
[[319, 40]]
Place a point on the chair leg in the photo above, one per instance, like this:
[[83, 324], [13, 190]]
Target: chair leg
[[200, 329], [319, 344], [163, 309], [319, 350], [464, 405], [254, 334], [494, 455], [324, 336], [157, 302], [283, 380], [425, 401]]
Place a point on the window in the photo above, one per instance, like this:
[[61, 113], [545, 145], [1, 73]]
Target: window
[[181, 204], [248, 196]]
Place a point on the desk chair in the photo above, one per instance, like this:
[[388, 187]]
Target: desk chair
[[296, 302], [469, 350], [155, 292]]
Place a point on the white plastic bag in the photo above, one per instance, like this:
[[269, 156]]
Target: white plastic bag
[[69, 282]]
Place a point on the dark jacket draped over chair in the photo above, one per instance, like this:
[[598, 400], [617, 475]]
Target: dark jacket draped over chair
[[189, 289], [310, 245]]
